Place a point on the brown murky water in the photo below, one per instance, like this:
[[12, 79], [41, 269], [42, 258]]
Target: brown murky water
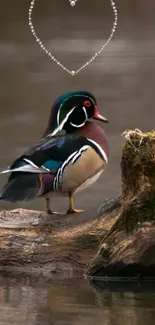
[[70, 302], [122, 78]]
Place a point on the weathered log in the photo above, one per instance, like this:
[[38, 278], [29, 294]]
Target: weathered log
[[128, 249], [32, 241]]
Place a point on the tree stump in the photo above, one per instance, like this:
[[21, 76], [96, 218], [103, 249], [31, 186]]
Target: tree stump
[[128, 249]]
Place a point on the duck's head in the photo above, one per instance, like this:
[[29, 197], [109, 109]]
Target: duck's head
[[71, 110]]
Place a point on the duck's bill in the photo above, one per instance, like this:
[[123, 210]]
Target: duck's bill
[[99, 117]]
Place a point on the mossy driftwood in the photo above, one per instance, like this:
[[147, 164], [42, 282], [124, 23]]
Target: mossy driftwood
[[120, 242]]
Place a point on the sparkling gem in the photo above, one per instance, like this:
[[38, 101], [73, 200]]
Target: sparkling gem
[[72, 2], [72, 72]]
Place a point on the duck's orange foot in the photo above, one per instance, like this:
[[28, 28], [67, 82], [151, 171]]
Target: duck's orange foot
[[71, 210], [49, 210], [71, 205]]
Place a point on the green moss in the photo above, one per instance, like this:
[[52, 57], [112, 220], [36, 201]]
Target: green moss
[[138, 162], [138, 179]]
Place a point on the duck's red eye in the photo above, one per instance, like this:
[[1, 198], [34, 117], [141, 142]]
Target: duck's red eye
[[87, 103]]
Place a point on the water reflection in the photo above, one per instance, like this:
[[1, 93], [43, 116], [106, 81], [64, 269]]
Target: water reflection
[[39, 302]]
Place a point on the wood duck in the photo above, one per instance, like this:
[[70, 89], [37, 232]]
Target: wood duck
[[61, 163]]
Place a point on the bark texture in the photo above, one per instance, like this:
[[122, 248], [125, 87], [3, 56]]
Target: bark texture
[[33, 241]]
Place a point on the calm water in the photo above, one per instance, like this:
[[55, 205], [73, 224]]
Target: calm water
[[75, 303], [123, 80]]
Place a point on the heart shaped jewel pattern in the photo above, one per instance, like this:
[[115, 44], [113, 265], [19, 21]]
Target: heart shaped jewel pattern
[[73, 72]]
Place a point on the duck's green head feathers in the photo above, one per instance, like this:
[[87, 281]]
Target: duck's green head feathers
[[71, 110]]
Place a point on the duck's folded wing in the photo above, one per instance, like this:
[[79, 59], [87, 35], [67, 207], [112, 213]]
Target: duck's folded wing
[[73, 159], [57, 164], [49, 155]]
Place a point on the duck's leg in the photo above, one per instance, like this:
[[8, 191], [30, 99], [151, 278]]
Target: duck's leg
[[48, 208], [71, 208]]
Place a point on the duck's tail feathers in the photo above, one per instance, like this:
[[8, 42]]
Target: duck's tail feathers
[[21, 187]]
